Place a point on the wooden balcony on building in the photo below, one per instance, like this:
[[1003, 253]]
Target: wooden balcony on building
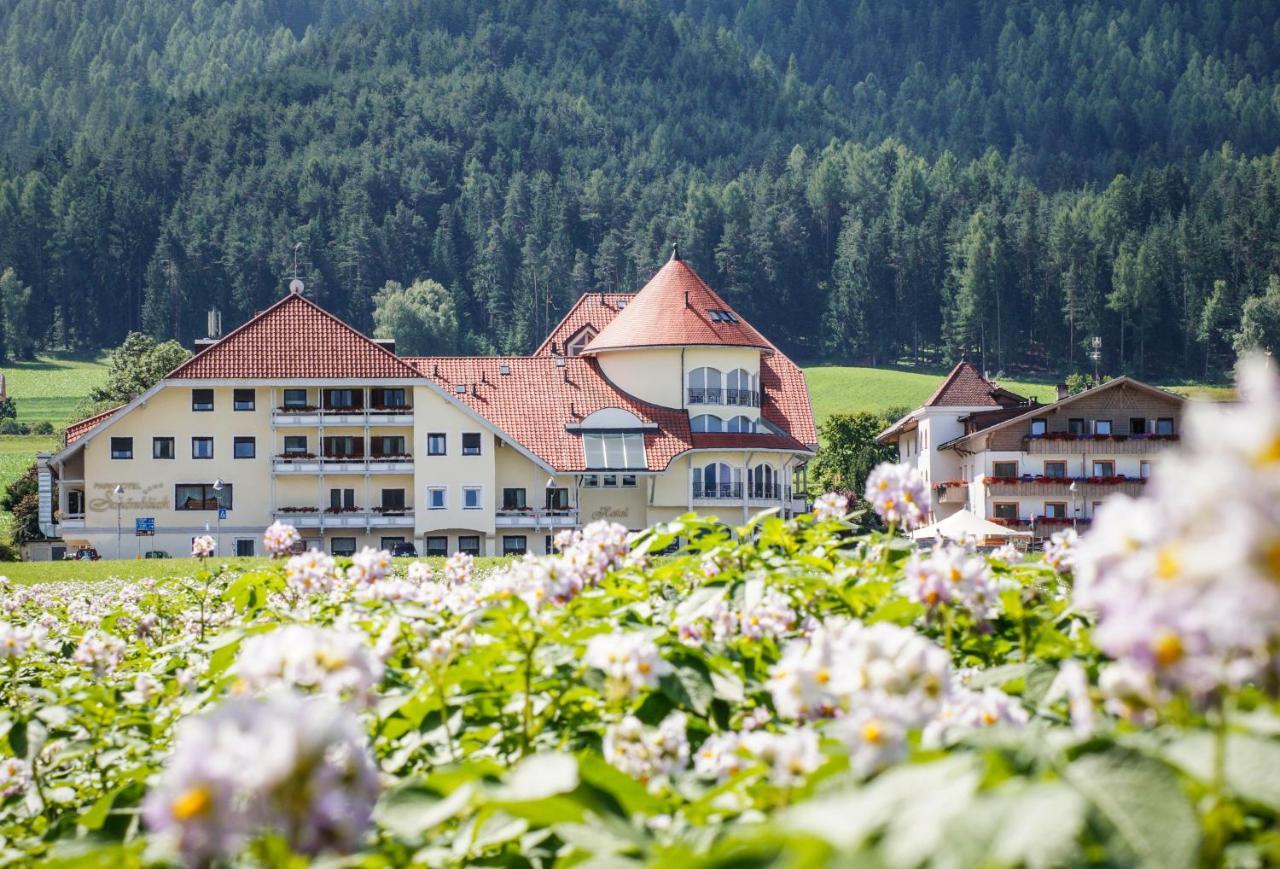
[[1089, 489], [1058, 444]]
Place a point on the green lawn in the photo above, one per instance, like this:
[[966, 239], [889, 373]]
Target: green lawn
[[837, 389], [50, 387], [32, 572]]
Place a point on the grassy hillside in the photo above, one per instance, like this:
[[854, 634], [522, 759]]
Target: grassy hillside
[[840, 389], [50, 387]]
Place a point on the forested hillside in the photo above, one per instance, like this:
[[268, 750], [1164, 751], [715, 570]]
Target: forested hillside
[[915, 179]]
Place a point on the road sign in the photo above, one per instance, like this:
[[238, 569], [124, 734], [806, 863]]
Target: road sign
[[222, 512], [144, 526]]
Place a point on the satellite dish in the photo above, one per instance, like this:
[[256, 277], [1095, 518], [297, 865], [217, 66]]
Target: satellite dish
[[295, 286]]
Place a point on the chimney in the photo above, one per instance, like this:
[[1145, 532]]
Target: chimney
[[1062, 391], [388, 344]]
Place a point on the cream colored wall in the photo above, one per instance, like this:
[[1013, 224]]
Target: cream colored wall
[[626, 506], [149, 483], [432, 413], [652, 375]]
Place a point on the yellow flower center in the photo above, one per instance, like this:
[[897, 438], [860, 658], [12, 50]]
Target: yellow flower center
[[872, 733], [954, 575], [644, 667], [1271, 558], [888, 504], [1167, 648], [987, 718], [1270, 454], [192, 803], [1168, 562], [823, 676]]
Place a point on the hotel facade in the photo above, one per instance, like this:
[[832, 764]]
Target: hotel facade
[[1029, 466], [637, 408]]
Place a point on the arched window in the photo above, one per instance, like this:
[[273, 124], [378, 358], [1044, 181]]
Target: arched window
[[740, 425], [764, 482], [741, 387], [704, 386], [706, 422], [717, 480]]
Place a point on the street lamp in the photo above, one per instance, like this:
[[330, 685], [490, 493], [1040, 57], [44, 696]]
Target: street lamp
[[217, 490], [118, 491], [1074, 489]]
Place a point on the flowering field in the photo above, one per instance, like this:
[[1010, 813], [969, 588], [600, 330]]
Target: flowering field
[[797, 694]]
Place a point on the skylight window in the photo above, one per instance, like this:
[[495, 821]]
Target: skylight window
[[614, 450], [720, 315]]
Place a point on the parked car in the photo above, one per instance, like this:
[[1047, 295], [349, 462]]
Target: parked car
[[85, 553], [404, 550], [157, 553]]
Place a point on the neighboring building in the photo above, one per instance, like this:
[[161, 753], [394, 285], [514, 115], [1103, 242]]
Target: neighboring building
[[637, 408], [1034, 466]]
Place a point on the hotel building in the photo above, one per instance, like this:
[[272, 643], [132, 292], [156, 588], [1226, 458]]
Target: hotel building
[[1030, 466], [637, 408]]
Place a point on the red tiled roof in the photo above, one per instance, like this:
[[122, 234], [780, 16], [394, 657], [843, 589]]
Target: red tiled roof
[[596, 310], [535, 402], [294, 338], [672, 311], [80, 428], [966, 387]]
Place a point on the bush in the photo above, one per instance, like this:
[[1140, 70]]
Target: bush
[[13, 427], [43, 427]]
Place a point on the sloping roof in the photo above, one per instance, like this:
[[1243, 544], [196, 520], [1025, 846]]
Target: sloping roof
[[537, 399], [673, 310], [596, 310], [80, 428], [966, 387], [294, 338], [739, 441]]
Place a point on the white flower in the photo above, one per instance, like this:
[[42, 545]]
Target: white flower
[[1009, 554], [369, 565], [1060, 550], [830, 505], [203, 546], [99, 651], [647, 753], [721, 756], [790, 756], [279, 539], [334, 662], [312, 572], [875, 738], [898, 495], [952, 575], [630, 661], [457, 569], [145, 689], [964, 710], [15, 776], [14, 641], [300, 768]]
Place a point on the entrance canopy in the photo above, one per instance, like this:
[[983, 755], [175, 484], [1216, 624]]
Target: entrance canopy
[[963, 525]]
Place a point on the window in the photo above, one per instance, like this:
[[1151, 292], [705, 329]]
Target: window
[[1144, 470], [469, 544], [75, 502], [579, 342], [244, 399], [1164, 425], [471, 443], [343, 546], [741, 387], [557, 499], [342, 399], [244, 448], [435, 444], [393, 499], [590, 481], [549, 545], [342, 499], [720, 315], [384, 397], [1102, 426], [628, 481], [295, 445], [388, 446], [1055, 470], [740, 425], [706, 422], [471, 497], [244, 547], [389, 543], [1104, 469], [202, 448], [614, 449], [161, 448], [1075, 426], [201, 496], [1004, 469], [1055, 510], [435, 498], [764, 481], [1039, 427], [202, 399], [1005, 511], [717, 480], [1137, 425], [437, 546], [609, 481], [704, 386], [295, 398], [515, 544], [122, 448], [513, 499], [343, 447]]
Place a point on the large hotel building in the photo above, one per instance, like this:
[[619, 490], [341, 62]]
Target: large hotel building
[[637, 408]]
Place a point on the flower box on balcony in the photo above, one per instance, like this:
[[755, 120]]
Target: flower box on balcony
[[296, 457], [297, 509]]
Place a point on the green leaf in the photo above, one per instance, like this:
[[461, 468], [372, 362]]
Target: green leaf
[[1143, 801], [409, 812], [538, 777], [689, 685], [1252, 765]]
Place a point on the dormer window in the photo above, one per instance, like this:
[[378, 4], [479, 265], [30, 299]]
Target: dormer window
[[720, 315], [576, 344]]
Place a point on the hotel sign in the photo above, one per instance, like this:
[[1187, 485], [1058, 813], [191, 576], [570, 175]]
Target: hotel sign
[[135, 497]]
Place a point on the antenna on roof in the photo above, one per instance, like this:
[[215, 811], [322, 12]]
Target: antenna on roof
[[296, 285], [675, 252]]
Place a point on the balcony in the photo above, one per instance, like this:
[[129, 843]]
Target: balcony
[[537, 519], [314, 416], [952, 492], [733, 397], [1065, 443], [1088, 488], [306, 463], [312, 517], [717, 491]]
